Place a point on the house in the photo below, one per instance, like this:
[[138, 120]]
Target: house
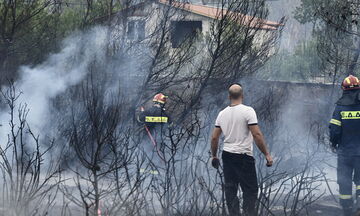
[[189, 19]]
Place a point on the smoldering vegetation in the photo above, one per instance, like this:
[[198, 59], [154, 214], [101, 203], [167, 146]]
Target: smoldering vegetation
[[72, 146]]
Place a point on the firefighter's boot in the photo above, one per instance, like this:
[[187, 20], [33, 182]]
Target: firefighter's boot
[[348, 211], [357, 208], [346, 203]]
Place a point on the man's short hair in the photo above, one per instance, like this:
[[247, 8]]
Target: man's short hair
[[235, 93]]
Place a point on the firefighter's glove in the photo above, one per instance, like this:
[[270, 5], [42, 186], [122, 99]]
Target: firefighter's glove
[[334, 147], [215, 162], [171, 126]]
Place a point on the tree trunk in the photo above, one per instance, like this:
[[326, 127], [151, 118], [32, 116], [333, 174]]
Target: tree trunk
[[355, 59], [97, 195]]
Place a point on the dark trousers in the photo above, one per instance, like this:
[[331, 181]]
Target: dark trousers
[[239, 169], [348, 170]]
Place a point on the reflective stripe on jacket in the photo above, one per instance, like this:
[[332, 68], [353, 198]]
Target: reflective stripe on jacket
[[345, 129], [154, 116]]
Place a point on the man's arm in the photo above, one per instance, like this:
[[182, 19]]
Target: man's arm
[[335, 128], [215, 141], [260, 142]]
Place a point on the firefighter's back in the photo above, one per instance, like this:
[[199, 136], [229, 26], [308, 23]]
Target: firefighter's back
[[155, 116], [350, 133]]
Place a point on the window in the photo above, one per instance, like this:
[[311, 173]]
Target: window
[[136, 30], [182, 30]]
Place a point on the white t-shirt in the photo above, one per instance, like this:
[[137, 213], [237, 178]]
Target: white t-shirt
[[234, 122]]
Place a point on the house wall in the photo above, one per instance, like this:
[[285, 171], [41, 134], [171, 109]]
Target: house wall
[[152, 13], [157, 11]]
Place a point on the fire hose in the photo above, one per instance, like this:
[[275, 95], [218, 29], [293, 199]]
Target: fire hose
[[154, 144]]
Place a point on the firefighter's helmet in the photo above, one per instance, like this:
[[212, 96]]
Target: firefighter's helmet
[[351, 82], [160, 98]]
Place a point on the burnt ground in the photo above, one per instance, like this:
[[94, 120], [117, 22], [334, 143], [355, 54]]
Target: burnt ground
[[327, 206]]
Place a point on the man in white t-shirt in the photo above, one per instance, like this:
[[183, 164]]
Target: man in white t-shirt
[[240, 127]]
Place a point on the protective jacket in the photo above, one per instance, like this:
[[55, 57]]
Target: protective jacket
[[156, 122], [154, 116], [345, 124]]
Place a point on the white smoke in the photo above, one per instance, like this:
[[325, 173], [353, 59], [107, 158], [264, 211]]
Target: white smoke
[[42, 83]]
